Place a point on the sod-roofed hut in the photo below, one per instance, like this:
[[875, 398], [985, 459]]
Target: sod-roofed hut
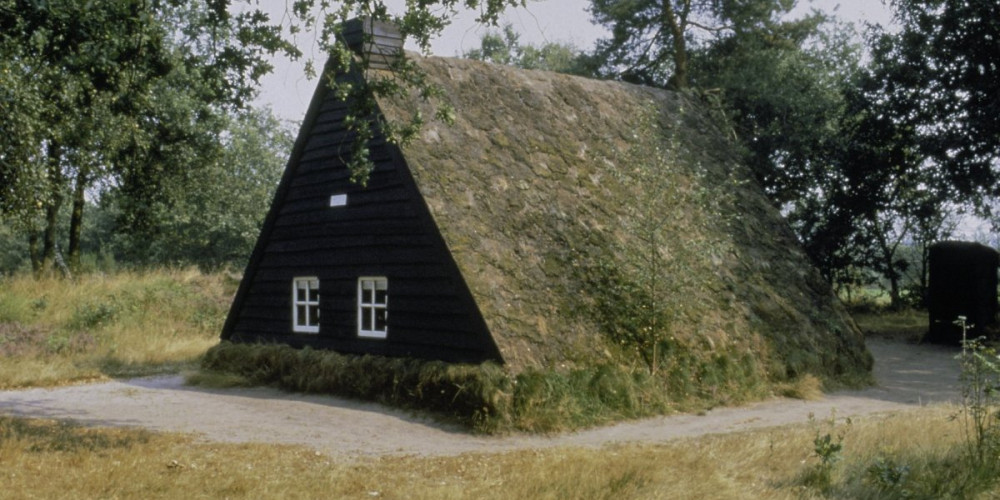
[[962, 281], [533, 231]]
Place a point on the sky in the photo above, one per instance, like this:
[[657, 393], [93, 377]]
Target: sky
[[287, 91]]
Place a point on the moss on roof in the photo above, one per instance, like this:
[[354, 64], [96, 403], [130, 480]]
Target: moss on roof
[[537, 187]]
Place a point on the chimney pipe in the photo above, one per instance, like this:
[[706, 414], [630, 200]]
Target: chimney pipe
[[380, 41]]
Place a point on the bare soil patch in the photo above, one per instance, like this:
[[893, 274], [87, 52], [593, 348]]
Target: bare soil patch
[[908, 375]]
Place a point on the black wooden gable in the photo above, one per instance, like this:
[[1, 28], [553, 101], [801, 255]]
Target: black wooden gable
[[384, 229]]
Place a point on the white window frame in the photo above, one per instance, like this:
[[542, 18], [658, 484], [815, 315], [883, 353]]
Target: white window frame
[[310, 305], [369, 307]]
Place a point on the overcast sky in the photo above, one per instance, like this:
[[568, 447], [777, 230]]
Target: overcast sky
[[288, 91]]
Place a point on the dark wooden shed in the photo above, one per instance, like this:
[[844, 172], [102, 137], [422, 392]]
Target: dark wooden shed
[[962, 282], [467, 244]]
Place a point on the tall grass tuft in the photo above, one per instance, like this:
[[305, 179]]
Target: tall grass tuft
[[486, 397], [474, 395]]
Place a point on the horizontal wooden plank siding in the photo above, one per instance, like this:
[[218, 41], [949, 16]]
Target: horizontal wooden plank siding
[[382, 230]]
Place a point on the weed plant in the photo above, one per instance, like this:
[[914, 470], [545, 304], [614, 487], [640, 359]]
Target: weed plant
[[828, 449], [980, 397]]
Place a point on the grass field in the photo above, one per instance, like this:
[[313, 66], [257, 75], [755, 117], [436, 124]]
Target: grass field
[[881, 457], [54, 331], [144, 323]]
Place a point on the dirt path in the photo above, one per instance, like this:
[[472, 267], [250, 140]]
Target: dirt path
[[909, 376]]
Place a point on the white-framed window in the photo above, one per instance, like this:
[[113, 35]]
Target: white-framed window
[[305, 304], [373, 305]]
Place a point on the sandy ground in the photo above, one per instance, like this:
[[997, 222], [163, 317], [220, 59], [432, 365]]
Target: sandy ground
[[908, 376]]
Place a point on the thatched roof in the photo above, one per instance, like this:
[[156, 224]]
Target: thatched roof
[[533, 190]]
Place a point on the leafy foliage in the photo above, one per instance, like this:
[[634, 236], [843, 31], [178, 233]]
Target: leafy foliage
[[211, 216], [914, 146], [506, 48], [651, 41], [980, 397], [638, 314], [152, 86], [939, 77], [782, 89], [144, 84]]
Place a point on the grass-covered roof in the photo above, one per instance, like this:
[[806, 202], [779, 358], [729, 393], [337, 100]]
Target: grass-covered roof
[[578, 209]]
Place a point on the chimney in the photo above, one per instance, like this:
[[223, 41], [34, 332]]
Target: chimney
[[381, 41]]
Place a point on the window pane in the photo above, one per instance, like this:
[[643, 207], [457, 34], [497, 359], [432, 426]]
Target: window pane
[[300, 315], [381, 296], [366, 318], [300, 293], [313, 316], [380, 319], [314, 295]]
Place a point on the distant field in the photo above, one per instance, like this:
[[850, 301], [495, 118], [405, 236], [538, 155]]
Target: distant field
[[909, 324]]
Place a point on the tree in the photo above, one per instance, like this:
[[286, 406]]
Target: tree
[[506, 48], [919, 135], [782, 89], [666, 184], [104, 71], [651, 40], [212, 216], [939, 75], [22, 172], [149, 86]]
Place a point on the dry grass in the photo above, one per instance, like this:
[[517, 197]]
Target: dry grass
[[769, 464], [808, 387], [54, 331]]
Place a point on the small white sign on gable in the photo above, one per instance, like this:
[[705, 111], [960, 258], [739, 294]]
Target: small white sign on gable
[[338, 200]]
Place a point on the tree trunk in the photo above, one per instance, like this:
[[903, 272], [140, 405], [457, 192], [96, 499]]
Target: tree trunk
[[925, 257], [888, 257], [895, 299], [679, 80], [34, 252], [55, 179], [677, 23], [76, 220]]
